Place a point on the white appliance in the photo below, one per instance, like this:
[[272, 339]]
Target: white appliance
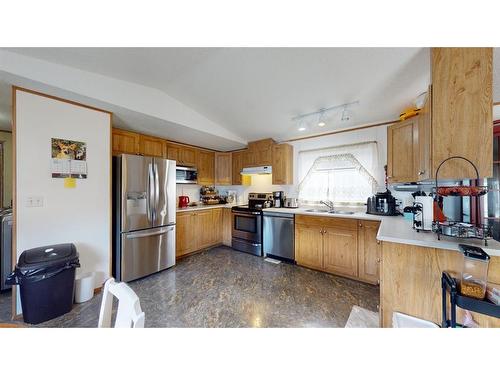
[[257, 170], [423, 212]]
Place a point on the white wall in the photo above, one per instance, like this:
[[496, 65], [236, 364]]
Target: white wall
[[80, 215]]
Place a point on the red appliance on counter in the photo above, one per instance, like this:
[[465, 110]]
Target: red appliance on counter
[[183, 201]]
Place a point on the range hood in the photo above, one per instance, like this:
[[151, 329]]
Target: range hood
[[257, 170]]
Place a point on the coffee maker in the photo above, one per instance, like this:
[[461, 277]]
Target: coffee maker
[[278, 198]]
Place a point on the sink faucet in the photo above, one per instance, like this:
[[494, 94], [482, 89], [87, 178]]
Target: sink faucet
[[328, 204]]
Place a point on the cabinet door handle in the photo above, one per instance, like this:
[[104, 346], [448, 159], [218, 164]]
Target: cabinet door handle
[[378, 242], [321, 231], [324, 231], [378, 260], [360, 225], [420, 173]]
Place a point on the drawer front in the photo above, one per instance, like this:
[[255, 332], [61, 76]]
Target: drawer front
[[327, 221]]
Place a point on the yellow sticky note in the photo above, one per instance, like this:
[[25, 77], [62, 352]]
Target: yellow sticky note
[[70, 183]]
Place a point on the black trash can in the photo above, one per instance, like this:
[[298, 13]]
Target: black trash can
[[46, 278]]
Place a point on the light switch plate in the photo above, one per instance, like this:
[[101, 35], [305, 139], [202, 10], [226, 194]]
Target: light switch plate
[[34, 201]]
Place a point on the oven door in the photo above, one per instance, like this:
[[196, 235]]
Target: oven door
[[247, 226]]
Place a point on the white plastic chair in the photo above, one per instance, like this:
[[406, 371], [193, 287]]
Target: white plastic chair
[[129, 314], [400, 320]]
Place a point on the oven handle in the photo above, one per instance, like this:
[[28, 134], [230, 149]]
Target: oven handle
[[252, 214]]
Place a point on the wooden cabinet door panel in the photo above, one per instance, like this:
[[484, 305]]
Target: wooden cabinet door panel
[[340, 249], [368, 251], [248, 159], [401, 144], [223, 168], [217, 226], [424, 121], [187, 156], [282, 164], [206, 167], [227, 225], [173, 152], [184, 234], [125, 142], [204, 229], [237, 164], [309, 246], [462, 111], [151, 146]]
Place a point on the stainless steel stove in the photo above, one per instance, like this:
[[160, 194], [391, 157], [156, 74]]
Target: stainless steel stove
[[247, 223]]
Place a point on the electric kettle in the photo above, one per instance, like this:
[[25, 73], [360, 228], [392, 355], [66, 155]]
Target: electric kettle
[[183, 201]]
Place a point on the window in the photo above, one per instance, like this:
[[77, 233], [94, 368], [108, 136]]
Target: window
[[344, 175]]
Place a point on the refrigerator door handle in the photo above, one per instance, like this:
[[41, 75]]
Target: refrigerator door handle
[[151, 194], [157, 191], [150, 234]]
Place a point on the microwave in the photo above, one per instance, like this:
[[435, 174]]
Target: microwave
[[186, 175]]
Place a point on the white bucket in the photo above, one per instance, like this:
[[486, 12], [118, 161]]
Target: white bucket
[[84, 287]]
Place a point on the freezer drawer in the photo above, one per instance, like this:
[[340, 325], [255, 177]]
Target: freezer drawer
[[278, 236], [147, 251]]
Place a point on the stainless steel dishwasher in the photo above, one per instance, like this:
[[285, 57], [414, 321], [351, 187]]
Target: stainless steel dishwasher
[[278, 235]]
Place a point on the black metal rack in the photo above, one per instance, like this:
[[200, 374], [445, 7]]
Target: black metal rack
[[449, 284]]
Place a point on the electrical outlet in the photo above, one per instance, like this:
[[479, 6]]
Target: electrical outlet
[[34, 202]]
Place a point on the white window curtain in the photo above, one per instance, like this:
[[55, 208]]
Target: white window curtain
[[345, 174]]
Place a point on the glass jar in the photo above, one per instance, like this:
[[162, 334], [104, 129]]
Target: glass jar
[[474, 271]]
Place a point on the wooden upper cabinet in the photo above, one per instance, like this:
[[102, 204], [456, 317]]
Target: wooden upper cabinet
[[237, 164], [462, 105], [206, 167], [402, 150], [125, 142], [152, 146], [258, 154], [282, 164], [183, 155], [369, 251], [223, 168], [423, 156]]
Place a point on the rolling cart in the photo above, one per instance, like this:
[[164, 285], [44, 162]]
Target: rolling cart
[[449, 285]]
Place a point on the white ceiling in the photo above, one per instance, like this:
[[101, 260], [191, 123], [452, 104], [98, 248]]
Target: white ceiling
[[254, 92]]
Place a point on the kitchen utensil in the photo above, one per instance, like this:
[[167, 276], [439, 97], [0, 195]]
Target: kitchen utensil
[[382, 203], [278, 198], [183, 201], [291, 202], [474, 271]]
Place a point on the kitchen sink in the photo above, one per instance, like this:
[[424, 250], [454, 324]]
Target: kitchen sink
[[319, 210]]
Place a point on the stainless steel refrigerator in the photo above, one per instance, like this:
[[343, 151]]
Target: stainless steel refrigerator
[[144, 216]]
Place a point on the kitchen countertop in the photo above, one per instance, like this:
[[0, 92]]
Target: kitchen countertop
[[207, 207], [396, 229]]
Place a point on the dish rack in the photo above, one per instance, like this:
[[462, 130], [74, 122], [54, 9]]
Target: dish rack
[[455, 228]]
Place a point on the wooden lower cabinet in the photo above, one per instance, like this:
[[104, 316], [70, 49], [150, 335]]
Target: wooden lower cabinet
[[340, 251], [198, 230], [333, 245], [184, 234], [309, 246], [227, 226], [411, 282], [217, 225], [369, 251]]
